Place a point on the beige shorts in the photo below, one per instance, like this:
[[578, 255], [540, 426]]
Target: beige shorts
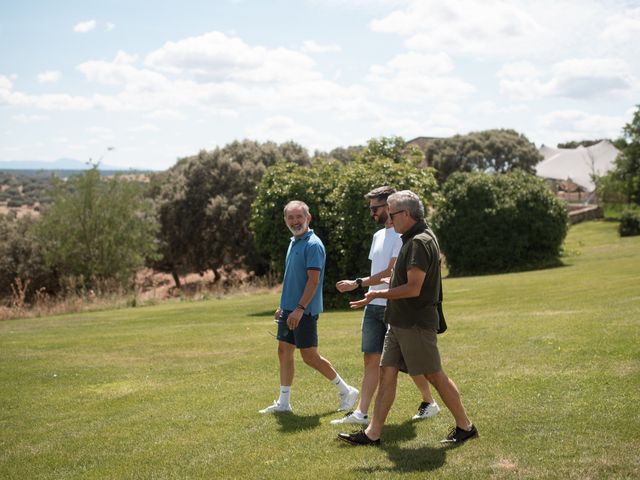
[[411, 350]]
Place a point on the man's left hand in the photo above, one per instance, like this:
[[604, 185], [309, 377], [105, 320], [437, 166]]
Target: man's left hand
[[370, 295]]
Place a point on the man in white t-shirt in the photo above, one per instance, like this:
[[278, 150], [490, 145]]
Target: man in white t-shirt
[[383, 254]]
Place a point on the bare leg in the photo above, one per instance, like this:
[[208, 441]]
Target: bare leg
[[451, 397], [384, 400], [312, 358], [287, 365], [369, 380], [423, 385]]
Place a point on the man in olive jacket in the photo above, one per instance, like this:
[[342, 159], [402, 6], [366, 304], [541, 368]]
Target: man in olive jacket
[[410, 344]]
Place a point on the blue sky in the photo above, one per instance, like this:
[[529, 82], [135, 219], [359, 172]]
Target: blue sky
[[160, 81]]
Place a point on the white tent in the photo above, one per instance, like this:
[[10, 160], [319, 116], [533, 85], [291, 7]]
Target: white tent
[[578, 164]]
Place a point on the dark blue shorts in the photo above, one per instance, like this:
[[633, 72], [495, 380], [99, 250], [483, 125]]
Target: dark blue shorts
[[373, 328], [304, 336]]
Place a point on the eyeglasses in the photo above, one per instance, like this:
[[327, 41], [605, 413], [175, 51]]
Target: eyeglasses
[[374, 208], [395, 213]]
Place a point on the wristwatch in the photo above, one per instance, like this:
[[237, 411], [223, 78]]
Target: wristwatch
[[359, 282]]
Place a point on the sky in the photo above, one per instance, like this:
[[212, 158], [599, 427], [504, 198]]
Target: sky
[[140, 84]]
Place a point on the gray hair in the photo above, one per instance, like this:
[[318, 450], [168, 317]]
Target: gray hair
[[409, 201], [297, 203]]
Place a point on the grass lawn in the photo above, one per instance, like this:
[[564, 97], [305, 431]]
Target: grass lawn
[[548, 363]]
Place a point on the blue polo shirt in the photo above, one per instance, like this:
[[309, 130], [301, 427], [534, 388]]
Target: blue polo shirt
[[304, 253]]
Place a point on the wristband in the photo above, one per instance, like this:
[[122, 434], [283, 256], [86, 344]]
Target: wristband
[[301, 306], [359, 282]]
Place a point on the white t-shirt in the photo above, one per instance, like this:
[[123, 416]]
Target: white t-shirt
[[386, 245]]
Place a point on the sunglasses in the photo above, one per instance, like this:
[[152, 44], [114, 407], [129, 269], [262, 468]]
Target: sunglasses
[[374, 208]]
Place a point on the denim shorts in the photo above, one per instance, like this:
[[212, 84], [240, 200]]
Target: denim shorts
[[304, 336], [373, 328]]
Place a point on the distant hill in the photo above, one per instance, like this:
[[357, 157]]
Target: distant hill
[[60, 164]]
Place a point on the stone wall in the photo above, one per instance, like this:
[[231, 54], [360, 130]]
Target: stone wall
[[591, 212]]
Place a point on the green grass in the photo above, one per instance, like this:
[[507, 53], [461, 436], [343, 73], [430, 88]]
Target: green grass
[[548, 363]]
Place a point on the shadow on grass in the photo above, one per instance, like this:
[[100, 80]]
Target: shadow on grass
[[422, 459], [290, 422]]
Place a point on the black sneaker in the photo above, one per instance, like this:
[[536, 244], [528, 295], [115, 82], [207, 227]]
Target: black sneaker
[[357, 438], [458, 435]]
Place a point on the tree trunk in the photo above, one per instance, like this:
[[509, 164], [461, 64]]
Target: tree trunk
[[176, 278], [216, 275]]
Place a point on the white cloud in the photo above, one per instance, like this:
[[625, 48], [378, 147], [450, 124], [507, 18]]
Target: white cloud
[[588, 78], [583, 78], [545, 30], [521, 81], [5, 83], [147, 127], [24, 118], [122, 72], [465, 26], [488, 107], [49, 76], [100, 134], [218, 74], [577, 124], [623, 28], [309, 46], [45, 101], [414, 76], [215, 56], [282, 129], [109, 27], [166, 114], [84, 27]]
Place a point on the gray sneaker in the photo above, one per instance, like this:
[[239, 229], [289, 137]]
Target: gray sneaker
[[426, 410], [348, 400], [351, 418]]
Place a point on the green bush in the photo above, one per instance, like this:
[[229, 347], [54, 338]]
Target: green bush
[[22, 257], [629, 222], [335, 195], [98, 230], [499, 223]]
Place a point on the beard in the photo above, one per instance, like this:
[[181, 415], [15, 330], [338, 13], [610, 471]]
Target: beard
[[298, 229], [382, 218]]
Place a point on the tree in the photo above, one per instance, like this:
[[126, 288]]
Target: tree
[[22, 258], [390, 148], [493, 151], [98, 229], [335, 194], [204, 207], [627, 168], [622, 183], [341, 154], [580, 143], [499, 223]]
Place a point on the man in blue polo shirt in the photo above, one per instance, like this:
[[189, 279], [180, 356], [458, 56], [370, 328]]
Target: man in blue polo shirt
[[300, 306]]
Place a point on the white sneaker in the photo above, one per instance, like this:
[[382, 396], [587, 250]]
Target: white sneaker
[[348, 400], [276, 407], [351, 418], [426, 410]]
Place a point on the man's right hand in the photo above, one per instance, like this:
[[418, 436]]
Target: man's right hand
[[346, 285]]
